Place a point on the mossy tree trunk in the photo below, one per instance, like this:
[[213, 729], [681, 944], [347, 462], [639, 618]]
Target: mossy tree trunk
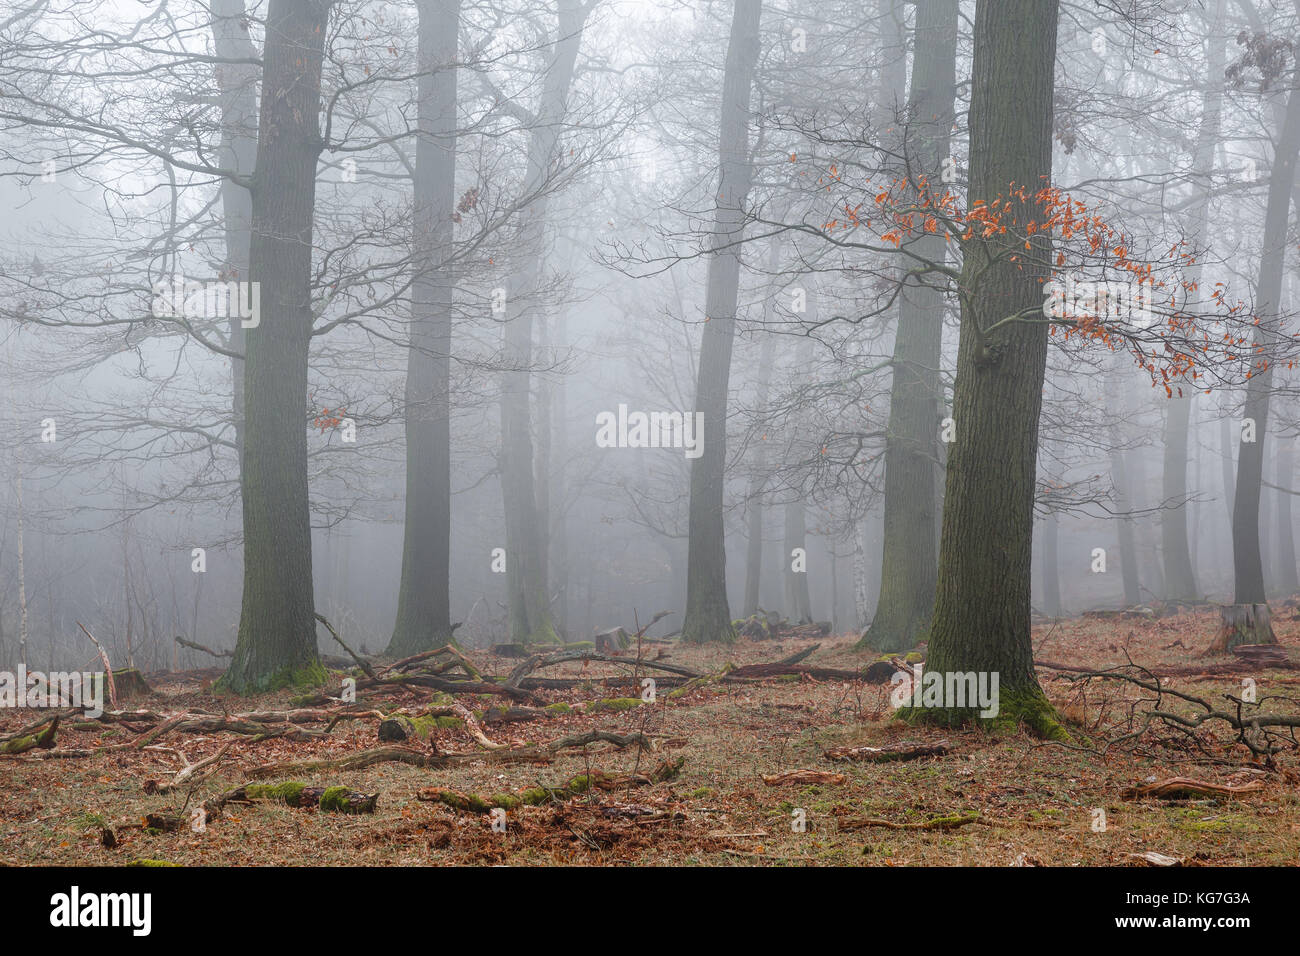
[[277, 627], [423, 600], [981, 617], [909, 564], [708, 615]]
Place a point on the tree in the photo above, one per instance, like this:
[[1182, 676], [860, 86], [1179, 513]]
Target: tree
[[909, 563], [1248, 568], [981, 617], [277, 626], [708, 615], [424, 602]]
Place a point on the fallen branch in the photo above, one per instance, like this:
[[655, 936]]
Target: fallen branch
[[534, 796], [938, 823], [1176, 787], [907, 750], [804, 778]]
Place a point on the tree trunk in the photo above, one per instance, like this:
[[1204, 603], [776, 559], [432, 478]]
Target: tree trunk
[[708, 616], [1180, 576], [1287, 581], [754, 542], [277, 626], [1127, 552], [1051, 566], [909, 565], [982, 618], [798, 605], [1248, 569], [529, 600], [423, 600], [237, 100]]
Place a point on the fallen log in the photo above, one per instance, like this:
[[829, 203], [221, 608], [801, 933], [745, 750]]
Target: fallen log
[[804, 778], [906, 750], [294, 794], [538, 661], [1176, 787], [41, 739]]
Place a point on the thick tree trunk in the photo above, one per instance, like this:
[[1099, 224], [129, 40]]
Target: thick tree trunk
[[708, 616], [423, 600], [529, 600], [909, 564], [981, 618], [1248, 566], [277, 626]]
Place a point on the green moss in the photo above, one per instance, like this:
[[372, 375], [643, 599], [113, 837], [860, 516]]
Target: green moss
[[336, 799], [306, 677], [614, 704], [145, 861], [914, 657], [559, 707], [288, 792], [701, 793], [580, 646], [1029, 707]]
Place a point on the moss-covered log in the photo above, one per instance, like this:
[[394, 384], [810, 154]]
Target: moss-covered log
[[43, 738], [295, 794]]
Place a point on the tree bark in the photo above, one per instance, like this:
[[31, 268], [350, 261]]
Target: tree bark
[[423, 600], [708, 615], [277, 627], [982, 609]]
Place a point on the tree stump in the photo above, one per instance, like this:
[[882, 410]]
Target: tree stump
[[1242, 624]]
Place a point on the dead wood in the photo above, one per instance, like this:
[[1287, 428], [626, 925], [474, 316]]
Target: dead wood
[[803, 778], [939, 823], [195, 645], [1176, 787], [906, 750]]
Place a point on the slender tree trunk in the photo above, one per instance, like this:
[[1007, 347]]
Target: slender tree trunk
[[529, 599], [424, 600], [1180, 576], [754, 543], [708, 616], [1288, 582], [1051, 566], [797, 601], [1124, 505], [1248, 569], [277, 627], [909, 563], [237, 101], [982, 617], [861, 602]]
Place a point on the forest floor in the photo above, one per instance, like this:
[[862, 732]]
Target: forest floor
[[1000, 798]]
